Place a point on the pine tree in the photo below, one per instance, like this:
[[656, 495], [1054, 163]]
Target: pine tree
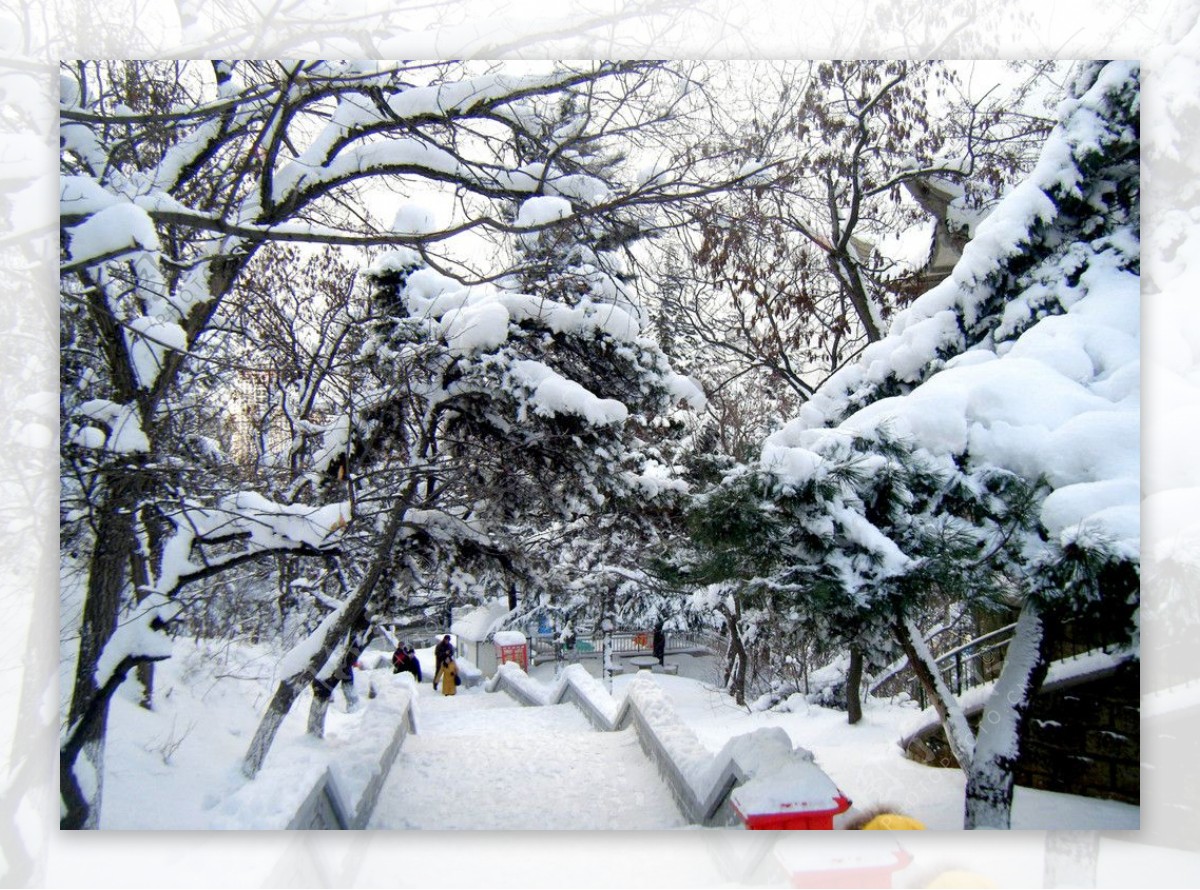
[[175, 177], [1036, 330], [1078, 209]]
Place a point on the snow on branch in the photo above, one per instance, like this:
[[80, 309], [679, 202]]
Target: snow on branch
[[550, 393], [139, 636], [118, 230], [124, 428], [300, 657], [442, 525], [1027, 358], [257, 524]]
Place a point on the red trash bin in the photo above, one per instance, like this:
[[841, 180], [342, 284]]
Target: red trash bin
[[792, 794], [795, 819]]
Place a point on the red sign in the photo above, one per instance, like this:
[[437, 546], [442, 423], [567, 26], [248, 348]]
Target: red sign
[[518, 654]]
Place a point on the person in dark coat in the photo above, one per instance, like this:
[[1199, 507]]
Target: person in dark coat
[[659, 646], [405, 659], [416, 664], [443, 650]]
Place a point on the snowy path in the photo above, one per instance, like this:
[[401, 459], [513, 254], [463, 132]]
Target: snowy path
[[481, 761]]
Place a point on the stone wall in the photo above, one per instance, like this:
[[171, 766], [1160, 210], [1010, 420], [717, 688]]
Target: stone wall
[[1082, 739], [1086, 739]]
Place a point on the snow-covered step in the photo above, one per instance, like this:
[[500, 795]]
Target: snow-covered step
[[481, 761]]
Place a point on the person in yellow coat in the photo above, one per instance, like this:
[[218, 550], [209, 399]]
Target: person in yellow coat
[[447, 672]]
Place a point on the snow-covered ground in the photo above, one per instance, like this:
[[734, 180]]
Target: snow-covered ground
[[480, 762], [869, 767]]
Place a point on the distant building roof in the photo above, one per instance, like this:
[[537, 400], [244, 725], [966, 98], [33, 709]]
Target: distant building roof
[[936, 197], [481, 622]]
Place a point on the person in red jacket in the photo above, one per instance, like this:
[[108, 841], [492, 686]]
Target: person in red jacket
[[405, 659]]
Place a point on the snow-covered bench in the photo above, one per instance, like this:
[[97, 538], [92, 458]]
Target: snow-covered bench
[[650, 663]]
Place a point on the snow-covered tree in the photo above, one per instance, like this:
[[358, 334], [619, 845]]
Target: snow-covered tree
[[786, 284], [174, 177], [1006, 401], [482, 408]]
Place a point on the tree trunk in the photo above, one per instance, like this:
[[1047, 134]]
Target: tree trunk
[[145, 670], [735, 665], [958, 732], [108, 578], [343, 676], [854, 686], [145, 676], [322, 690], [289, 688], [147, 552], [1002, 728], [736, 683], [989, 795], [320, 707], [350, 694], [81, 799], [81, 757], [285, 696], [285, 601], [846, 272]]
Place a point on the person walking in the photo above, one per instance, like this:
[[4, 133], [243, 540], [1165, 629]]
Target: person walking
[[414, 662], [405, 659], [447, 672], [659, 646], [443, 650]]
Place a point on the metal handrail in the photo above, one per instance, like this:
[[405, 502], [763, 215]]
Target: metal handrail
[[902, 678], [952, 665], [626, 642], [1007, 629]]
